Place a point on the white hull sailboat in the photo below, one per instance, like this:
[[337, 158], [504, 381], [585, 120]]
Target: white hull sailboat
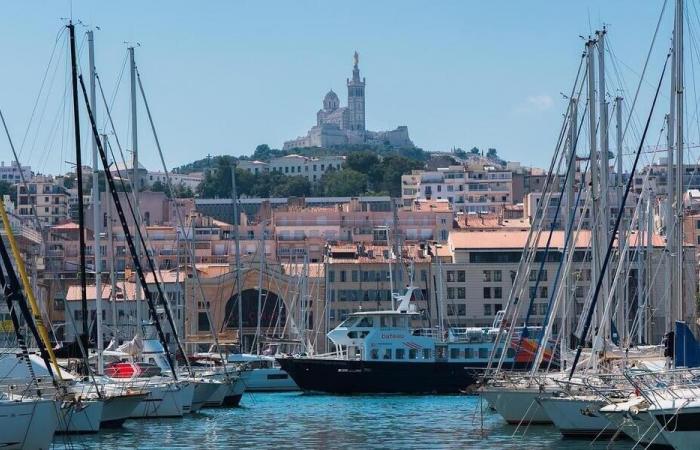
[[80, 416], [517, 405], [578, 416], [27, 423], [164, 399], [204, 390], [631, 418]]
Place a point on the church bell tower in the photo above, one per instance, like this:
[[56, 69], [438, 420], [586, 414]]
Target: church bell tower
[[356, 98]]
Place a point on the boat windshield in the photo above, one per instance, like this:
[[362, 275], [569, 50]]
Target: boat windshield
[[366, 322], [349, 322]]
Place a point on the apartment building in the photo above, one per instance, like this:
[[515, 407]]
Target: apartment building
[[656, 177], [362, 277], [475, 190], [118, 309], [305, 230], [559, 215], [477, 270], [44, 196]]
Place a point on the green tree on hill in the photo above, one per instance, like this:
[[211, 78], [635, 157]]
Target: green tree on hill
[[362, 161], [343, 183]]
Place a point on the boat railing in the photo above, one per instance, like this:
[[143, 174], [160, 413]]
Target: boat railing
[[664, 385], [434, 333]]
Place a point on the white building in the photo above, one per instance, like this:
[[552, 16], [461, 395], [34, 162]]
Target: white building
[[296, 165], [190, 180], [486, 189], [46, 196], [13, 173]]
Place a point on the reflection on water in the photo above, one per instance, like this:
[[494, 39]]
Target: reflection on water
[[289, 420]]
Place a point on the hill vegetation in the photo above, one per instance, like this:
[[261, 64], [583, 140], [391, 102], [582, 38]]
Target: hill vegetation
[[367, 171]]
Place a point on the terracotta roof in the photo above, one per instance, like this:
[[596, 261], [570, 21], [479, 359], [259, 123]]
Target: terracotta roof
[[496, 240], [316, 270], [126, 290], [67, 226], [490, 222], [411, 252], [432, 206]]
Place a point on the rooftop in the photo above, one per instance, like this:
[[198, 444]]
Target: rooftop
[[498, 240]]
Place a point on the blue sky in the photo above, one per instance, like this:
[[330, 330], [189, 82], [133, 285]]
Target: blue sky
[[224, 76]]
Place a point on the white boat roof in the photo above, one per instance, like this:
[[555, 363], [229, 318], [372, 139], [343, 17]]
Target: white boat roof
[[387, 312]]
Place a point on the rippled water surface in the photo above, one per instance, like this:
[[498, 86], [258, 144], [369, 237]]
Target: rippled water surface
[[295, 420]]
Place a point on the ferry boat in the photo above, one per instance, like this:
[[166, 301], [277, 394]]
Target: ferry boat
[[379, 352]]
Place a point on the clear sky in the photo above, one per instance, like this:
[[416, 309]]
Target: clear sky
[[224, 76]]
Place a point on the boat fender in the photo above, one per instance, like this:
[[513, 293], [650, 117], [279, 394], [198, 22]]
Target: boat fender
[[634, 410]]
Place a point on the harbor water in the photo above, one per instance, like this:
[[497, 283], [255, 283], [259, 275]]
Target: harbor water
[[296, 420]]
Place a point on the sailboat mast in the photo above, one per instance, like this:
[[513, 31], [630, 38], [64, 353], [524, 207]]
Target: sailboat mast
[[604, 170], [239, 290], [110, 242], [135, 185], [96, 210], [573, 207], [621, 289], [680, 179], [79, 177], [260, 288], [593, 156]]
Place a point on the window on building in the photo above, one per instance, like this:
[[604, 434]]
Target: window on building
[[461, 309], [203, 322], [450, 293], [342, 276], [543, 292], [450, 276], [461, 276], [374, 353], [534, 274], [450, 310], [533, 292], [497, 275], [468, 353], [487, 309], [400, 353], [487, 275], [426, 353], [497, 307], [331, 276], [487, 292], [354, 275], [497, 292], [454, 353], [387, 353], [412, 353], [461, 293], [483, 353]]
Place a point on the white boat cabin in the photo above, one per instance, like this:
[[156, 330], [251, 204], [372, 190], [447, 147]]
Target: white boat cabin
[[387, 336]]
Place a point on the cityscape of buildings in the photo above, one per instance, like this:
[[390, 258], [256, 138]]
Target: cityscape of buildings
[[457, 233]]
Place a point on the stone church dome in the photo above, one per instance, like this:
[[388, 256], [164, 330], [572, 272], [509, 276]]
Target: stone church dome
[[331, 102]]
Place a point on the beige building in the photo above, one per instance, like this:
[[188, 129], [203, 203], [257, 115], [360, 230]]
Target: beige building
[[44, 196], [478, 270]]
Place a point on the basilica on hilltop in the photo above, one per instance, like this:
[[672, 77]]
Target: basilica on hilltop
[[345, 125]]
